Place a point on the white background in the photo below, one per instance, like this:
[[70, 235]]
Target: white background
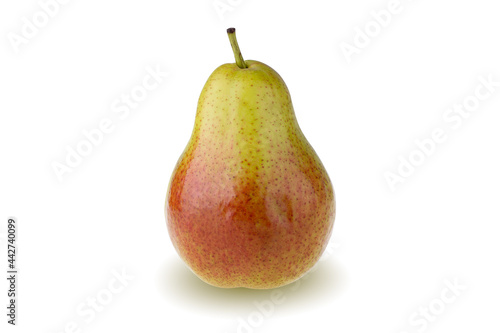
[[392, 251]]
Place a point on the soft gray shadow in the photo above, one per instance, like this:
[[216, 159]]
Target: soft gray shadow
[[176, 282]]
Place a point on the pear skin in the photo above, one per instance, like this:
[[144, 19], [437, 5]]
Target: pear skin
[[249, 202]]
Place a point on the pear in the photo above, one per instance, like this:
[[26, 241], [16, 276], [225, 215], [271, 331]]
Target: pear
[[249, 203]]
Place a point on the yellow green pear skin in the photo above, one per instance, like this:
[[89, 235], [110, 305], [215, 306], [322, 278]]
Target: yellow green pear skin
[[249, 203]]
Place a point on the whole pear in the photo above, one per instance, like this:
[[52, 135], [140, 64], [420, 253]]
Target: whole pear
[[249, 203]]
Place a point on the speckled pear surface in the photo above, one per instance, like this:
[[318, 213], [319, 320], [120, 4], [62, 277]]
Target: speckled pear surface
[[249, 203]]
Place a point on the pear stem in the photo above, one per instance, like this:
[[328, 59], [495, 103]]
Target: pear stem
[[231, 33]]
